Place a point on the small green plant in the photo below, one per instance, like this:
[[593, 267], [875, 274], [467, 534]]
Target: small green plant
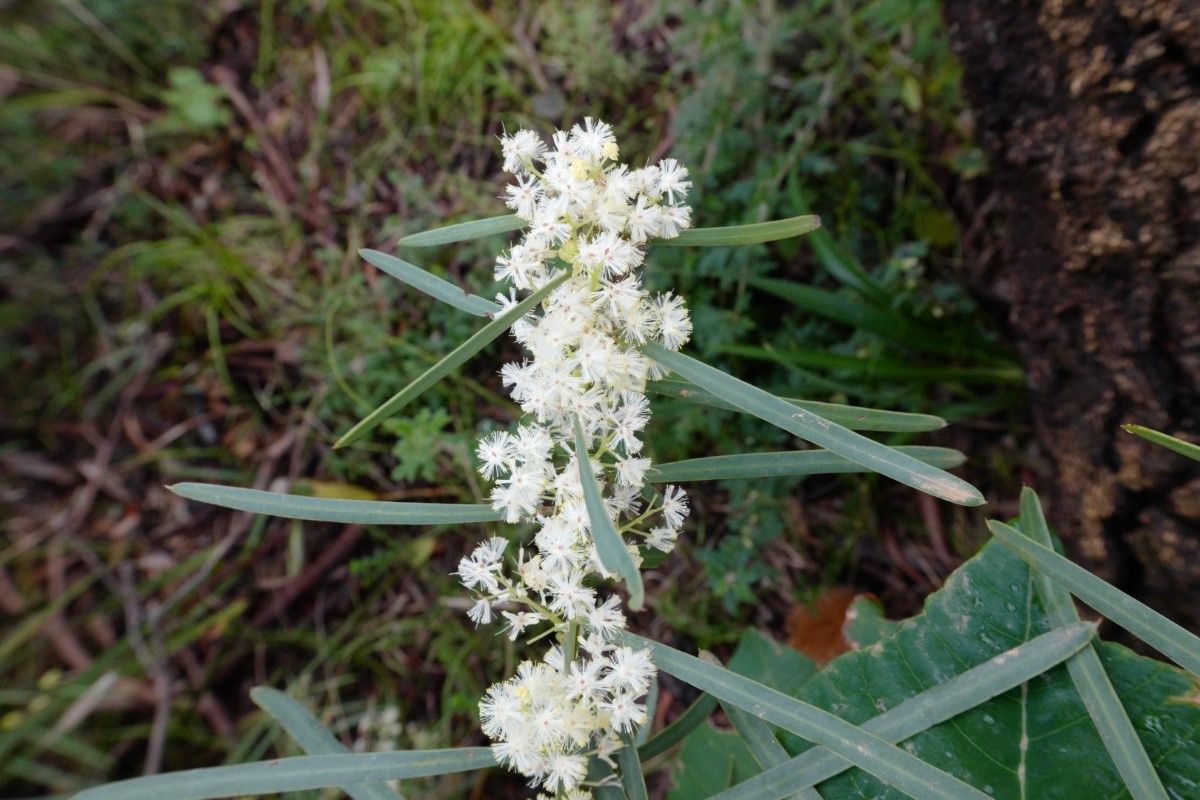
[[574, 718]]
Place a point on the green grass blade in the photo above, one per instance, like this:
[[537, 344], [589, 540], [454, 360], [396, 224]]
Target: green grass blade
[[312, 737], [1153, 628], [933, 706], [1091, 681], [425, 281], [878, 367], [452, 361], [292, 775], [856, 418], [843, 266], [633, 780], [1170, 442], [865, 750], [763, 745], [464, 231], [323, 509], [885, 322], [786, 464], [609, 545], [819, 431], [736, 235], [677, 731]]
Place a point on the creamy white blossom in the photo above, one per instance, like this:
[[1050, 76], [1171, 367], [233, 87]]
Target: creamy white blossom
[[590, 217]]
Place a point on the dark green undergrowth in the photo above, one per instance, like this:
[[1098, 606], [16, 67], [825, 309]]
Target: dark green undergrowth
[[184, 191]]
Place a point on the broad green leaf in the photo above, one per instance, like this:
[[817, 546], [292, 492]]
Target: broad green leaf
[[711, 760], [464, 231], [856, 418], [1153, 628], [780, 667], [1017, 743], [737, 235], [320, 509], [677, 731], [936, 705], [1104, 707], [292, 775], [452, 361], [865, 623], [1170, 442], [312, 737], [771, 663], [810, 427], [867, 751], [430, 284], [785, 464], [609, 545]]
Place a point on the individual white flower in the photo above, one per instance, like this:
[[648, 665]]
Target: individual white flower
[[630, 670], [672, 180], [565, 771], [662, 538], [523, 197], [521, 150], [519, 621], [606, 619], [626, 713], [675, 506], [675, 326], [496, 454]]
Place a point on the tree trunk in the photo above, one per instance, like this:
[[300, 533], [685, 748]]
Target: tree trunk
[[1090, 113]]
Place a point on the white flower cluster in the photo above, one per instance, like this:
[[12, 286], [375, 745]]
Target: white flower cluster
[[590, 216]]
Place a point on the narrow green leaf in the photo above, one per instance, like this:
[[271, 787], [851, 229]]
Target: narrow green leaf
[[842, 265], [1091, 681], [321, 509], [736, 235], [677, 731], [312, 737], [876, 366], [935, 705], [819, 431], [785, 464], [609, 546], [452, 361], [863, 749], [1153, 628], [292, 775], [464, 231], [1170, 442], [430, 284], [632, 778], [856, 418]]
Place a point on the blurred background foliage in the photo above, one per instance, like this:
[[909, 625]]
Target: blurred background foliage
[[183, 188]]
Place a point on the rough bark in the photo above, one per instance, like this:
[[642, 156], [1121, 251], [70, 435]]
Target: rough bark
[[1090, 113]]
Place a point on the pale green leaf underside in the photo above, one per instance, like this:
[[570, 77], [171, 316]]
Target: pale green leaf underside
[[1170, 442], [464, 231], [292, 775], [312, 737], [810, 427], [737, 235], [1087, 673], [1153, 628], [609, 545], [785, 464], [425, 281], [865, 750], [321, 509], [451, 362], [856, 418], [935, 705]]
